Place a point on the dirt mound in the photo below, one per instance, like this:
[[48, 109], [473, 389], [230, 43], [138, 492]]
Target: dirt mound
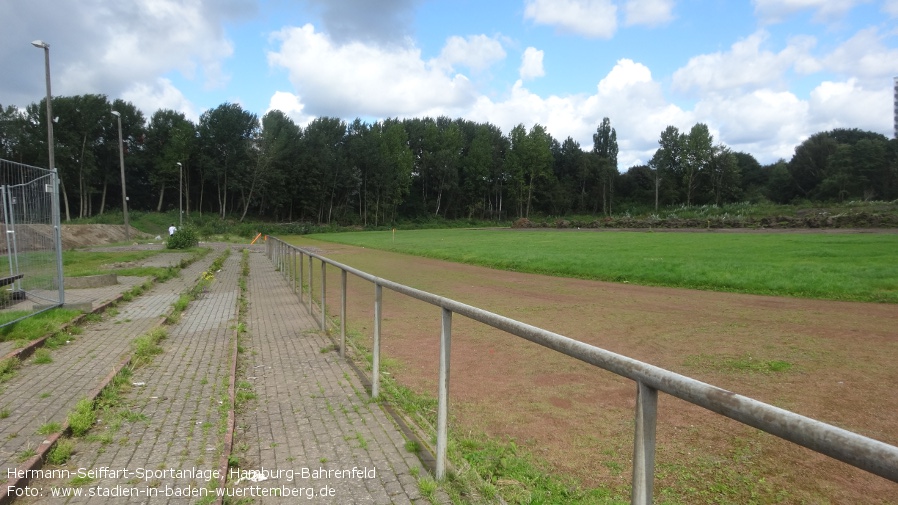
[[75, 236]]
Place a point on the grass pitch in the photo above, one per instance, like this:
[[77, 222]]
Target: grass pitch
[[830, 266]]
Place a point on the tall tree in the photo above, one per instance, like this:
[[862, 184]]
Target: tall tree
[[324, 171], [668, 164], [530, 161], [395, 167], [698, 151], [276, 149], [808, 165], [604, 145], [723, 172], [170, 137], [226, 136]]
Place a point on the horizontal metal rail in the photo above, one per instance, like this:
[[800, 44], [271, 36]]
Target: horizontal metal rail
[[857, 450]]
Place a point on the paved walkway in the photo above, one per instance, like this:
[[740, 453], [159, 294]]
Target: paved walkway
[[308, 431], [312, 425], [45, 393]]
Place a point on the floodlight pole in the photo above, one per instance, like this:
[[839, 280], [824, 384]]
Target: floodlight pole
[[180, 195], [57, 224], [121, 157]]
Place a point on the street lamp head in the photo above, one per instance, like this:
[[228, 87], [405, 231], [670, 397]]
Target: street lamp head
[[41, 44], [116, 113], [179, 163]]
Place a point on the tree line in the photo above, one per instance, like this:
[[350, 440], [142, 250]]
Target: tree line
[[235, 164]]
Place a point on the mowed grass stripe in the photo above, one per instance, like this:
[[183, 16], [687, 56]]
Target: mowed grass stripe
[[849, 266]]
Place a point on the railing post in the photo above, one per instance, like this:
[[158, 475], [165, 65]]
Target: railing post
[[644, 445], [301, 258], [323, 295], [293, 267], [342, 313], [443, 394], [310, 285], [375, 353]]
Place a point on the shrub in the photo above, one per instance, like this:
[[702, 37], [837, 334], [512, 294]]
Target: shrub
[[184, 238]]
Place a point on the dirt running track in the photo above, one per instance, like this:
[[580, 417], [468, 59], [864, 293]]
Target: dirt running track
[[579, 419]]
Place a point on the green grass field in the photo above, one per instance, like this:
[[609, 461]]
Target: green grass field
[[849, 266]]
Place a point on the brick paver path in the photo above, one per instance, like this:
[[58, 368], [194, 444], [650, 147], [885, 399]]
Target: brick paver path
[[309, 429], [45, 393], [312, 426]]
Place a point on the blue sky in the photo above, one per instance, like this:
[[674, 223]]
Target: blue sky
[[762, 74]]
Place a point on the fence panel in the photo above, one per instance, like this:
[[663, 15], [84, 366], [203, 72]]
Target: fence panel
[[32, 279]]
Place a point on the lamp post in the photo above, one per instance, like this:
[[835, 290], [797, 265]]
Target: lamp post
[[46, 47], [121, 158], [180, 195], [52, 166]]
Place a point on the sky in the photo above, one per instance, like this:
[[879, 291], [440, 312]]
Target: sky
[[764, 75]]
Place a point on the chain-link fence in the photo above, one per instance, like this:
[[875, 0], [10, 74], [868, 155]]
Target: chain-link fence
[[31, 249]]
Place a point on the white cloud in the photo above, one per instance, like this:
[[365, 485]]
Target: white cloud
[[745, 66], [890, 7], [648, 12], [160, 94], [532, 64], [476, 52], [864, 55], [291, 105], [775, 11], [360, 80], [848, 105], [124, 46], [766, 123], [590, 18], [628, 96]]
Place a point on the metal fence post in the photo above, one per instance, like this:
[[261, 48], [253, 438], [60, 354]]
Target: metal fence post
[[323, 295], [57, 230], [342, 313], [293, 264], [310, 284], [300, 275], [8, 230], [375, 358], [644, 445], [443, 394]]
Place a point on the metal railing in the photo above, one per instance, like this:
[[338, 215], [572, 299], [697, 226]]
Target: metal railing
[[857, 450]]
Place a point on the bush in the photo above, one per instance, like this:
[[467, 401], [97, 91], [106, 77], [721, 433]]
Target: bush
[[184, 238]]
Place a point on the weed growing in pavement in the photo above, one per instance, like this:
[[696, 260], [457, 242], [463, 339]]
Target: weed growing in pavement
[[362, 442], [8, 369], [56, 340], [428, 487], [82, 417], [24, 454], [48, 428], [146, 346], [42, 357], [61, 452]]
